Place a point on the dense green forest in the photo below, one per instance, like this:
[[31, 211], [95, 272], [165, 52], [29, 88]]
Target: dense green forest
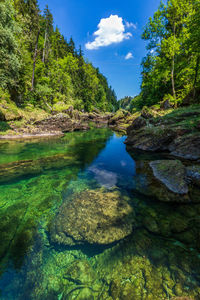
[[170, 70], [39, 66]]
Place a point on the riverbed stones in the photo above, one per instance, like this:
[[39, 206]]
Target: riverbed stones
[[93, 216], [60, 122]]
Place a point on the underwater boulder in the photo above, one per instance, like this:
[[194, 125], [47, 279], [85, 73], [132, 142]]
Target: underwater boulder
[[93, 216], [167, 181], [172, 174], [193, 173]]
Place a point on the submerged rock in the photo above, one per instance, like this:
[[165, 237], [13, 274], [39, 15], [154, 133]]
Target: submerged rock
[[172, 174], [168, 181], [93, 216], [193, 172], [15, 170]]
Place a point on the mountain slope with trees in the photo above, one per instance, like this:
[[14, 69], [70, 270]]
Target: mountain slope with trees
[[39, 66]]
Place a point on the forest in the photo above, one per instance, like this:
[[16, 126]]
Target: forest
[[170, 70], [39, 66]]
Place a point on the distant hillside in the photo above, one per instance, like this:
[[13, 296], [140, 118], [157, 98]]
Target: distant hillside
[[125, 103]]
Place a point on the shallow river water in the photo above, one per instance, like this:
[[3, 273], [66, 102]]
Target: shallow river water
[[75, 224]]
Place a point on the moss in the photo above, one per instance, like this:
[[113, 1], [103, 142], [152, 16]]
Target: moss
[[60, 106], [4, 127], [9, 110]]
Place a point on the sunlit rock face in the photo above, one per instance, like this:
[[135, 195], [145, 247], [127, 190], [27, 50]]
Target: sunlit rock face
[[94, 217]]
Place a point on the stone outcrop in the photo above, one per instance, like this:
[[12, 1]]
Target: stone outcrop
[[137, 124], [120, 121], [150, 138], [93, 216], [170, 181], [177, 134], [60, 122], [186, 146]]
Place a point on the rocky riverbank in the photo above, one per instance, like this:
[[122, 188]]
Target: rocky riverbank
[[31, 121], [177, 133], [176, 136], [52, 124]]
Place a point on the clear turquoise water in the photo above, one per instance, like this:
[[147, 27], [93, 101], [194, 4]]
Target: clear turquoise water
[[161, 263]]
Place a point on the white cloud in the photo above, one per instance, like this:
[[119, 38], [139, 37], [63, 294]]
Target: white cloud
[[130, 24], [129, 56], [110, 31]]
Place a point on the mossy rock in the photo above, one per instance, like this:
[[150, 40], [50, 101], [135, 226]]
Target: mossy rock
[[93, 216], [172, 174], [137, 124], [150, 138], [9, 111], [186, 146], [119, 115]]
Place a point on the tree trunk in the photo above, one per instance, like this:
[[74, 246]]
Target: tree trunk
[[172, 77], [34, 61], [44, 48], [196, 75], [173, 63]]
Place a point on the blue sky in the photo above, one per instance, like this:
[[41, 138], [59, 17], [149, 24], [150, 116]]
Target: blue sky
[[116, 48]]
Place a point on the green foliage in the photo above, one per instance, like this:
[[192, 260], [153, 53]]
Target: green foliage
[[10, 62], [173, 58], [125, 103], [39, 66]]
